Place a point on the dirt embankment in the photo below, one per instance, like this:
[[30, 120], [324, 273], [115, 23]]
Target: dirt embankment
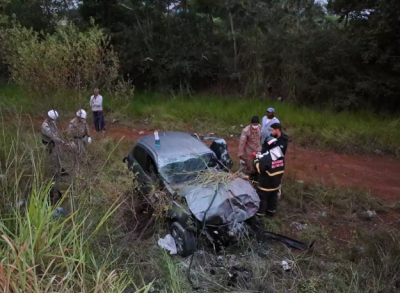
[[379, 174]]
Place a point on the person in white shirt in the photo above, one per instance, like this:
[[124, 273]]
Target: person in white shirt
[[266, 123], [96, 102]]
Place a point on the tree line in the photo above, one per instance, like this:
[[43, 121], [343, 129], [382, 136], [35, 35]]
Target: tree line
[[341, 54]]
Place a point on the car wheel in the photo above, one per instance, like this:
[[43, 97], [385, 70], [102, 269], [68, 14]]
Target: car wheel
[[184, 239]]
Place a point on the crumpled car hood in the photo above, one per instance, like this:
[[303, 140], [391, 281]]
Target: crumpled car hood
[[234, 202]]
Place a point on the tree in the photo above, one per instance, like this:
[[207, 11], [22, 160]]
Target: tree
[[45, 64]]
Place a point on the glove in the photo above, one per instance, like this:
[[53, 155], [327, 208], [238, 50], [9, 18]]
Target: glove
[[89, 140], [242, 162], [254, 155]]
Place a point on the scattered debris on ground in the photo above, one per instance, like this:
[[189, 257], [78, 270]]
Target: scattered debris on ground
[[168, 243], [285, 265], [298, 226], [60, 212], [370, 214]]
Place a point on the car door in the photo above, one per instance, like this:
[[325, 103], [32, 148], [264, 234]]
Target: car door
[[137, 163], [146, 162], [141, 156]]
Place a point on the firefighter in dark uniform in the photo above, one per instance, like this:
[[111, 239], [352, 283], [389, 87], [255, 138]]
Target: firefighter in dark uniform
[[282, 138], [270, 167]]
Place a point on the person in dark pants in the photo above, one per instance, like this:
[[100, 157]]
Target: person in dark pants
[[96, 102], [270, 167], [282, 142], [98, 118]]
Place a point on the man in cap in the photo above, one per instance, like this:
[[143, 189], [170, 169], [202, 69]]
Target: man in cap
[[250, 143], [51, 138], [266, 123], [270, 167], [79, 130]]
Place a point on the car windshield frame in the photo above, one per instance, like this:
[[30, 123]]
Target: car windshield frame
[[190, 167]]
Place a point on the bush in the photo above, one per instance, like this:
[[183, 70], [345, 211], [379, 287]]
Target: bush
[[44, 64]]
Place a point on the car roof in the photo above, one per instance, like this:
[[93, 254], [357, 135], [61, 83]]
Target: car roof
[[173, 145]]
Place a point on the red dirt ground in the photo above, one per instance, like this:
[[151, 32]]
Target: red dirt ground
[[379, 175]]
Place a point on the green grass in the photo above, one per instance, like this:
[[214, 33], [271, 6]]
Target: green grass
[[360, 132], [43, 254], [346, 132], [97, 252]]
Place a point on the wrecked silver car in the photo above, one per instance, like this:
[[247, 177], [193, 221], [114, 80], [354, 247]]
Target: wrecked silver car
[[205, 197]]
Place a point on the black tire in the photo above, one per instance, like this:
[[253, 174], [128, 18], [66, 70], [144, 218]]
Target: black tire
[[184, 239]]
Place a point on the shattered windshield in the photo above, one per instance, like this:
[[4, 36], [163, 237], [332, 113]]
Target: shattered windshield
[[186, 168]]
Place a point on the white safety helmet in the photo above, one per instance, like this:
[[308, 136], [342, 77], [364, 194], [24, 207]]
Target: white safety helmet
[[81, 113], [53, 114]]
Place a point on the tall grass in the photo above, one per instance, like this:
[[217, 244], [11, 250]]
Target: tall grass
[[89, 249], [41, 253]]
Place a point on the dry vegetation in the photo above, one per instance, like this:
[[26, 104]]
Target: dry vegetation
[[108, 242]]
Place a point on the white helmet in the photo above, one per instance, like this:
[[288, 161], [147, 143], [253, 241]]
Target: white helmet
[[53, 114], [81, 113]]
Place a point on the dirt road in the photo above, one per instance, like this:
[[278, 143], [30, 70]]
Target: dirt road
[[380, 175]]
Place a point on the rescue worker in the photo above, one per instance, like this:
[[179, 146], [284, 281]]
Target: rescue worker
[[51, 138], [282, 138], [267, 121], [79, 130], [250, 143], [50, 134], [270, 167]]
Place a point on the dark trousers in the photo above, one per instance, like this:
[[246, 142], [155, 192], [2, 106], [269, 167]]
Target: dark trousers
[[98, 118], [268, 202]]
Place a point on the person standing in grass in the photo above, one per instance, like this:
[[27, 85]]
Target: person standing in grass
[[282, 142], [249, 143], [80, 132], [50, 134], [51, 138], [96, 102], [266, 123], [270, 167]]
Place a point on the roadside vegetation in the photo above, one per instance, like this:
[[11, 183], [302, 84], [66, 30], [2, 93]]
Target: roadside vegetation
[[104, 239], [43, 252], [347, 132], [103, 242]]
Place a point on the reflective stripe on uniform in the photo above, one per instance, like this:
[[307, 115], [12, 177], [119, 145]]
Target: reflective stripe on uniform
[[265, 189], [276, 173]]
